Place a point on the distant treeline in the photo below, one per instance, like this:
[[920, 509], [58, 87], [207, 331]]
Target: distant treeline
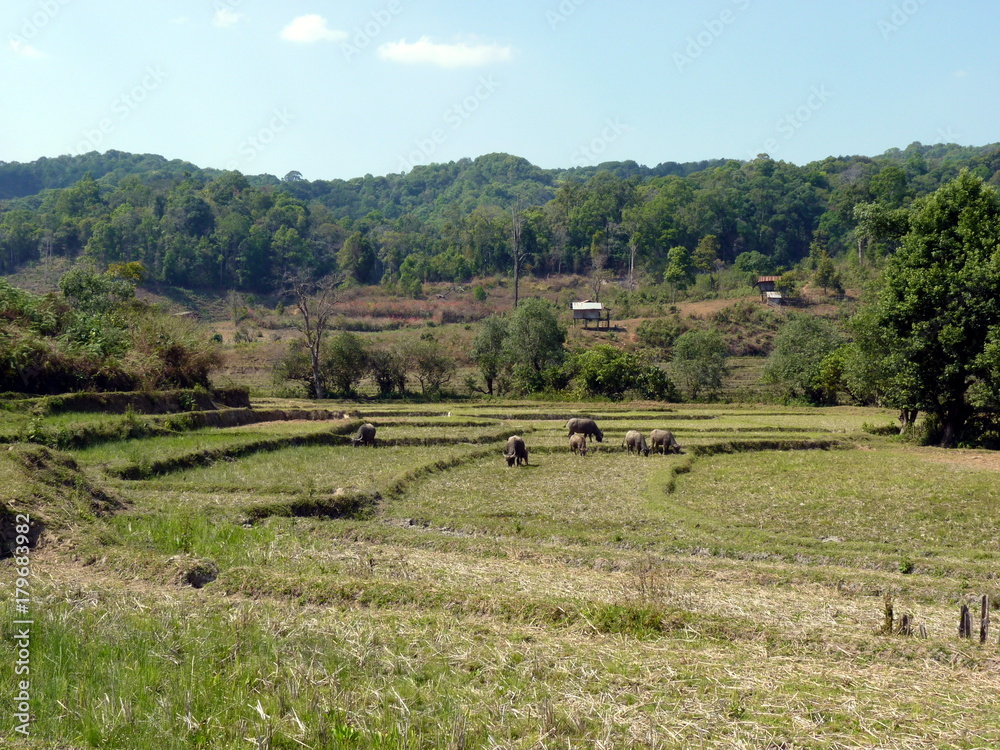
[[449, 222]]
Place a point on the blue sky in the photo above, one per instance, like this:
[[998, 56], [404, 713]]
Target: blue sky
[[338, 89]]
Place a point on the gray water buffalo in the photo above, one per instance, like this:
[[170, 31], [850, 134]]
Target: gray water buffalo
[[517, 452], [365, 436], [584, 426], [663, 442], [578, 444], [635, 442]]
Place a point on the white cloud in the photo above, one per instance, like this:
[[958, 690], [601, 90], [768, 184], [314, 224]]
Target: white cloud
[[311, 28], [457, 55], [226, 17], [22, 48], [961, 73]]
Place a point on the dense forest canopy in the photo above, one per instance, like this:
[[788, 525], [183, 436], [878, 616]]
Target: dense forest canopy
[[449, 222]]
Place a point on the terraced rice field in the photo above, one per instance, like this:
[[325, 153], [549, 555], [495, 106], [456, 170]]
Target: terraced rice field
[[269, 585]]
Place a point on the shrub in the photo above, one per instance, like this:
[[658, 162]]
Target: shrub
[[660, 333], [605, 371], [796, 364], [699, 363]]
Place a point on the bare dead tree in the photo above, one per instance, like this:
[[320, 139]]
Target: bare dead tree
[[517, 252], [633, 250], [314, 303]]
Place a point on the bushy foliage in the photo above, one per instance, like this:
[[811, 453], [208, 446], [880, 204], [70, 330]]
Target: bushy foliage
[[607, 372], [433, 367], [748, 328], [345, 362], [699, 363], [535, 338], [800, 349], [97, 337], [660, 333]]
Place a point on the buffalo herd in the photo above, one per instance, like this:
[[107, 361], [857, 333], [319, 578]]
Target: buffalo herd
[[580, 428]]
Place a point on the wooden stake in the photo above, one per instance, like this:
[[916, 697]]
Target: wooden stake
[[906, 625], [965, 623], [984, 620]]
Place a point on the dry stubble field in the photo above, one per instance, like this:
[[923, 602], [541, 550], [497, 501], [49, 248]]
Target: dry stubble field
[[270, 586]]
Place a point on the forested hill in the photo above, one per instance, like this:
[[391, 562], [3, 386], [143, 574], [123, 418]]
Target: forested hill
[[19, 180], [466, 183], [202, 227], [438, 191]]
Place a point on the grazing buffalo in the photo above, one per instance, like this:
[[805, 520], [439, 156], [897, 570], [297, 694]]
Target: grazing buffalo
[[517, 452], [663, 441], [578, 444], [636, 443], [584, 426], [365, 436]]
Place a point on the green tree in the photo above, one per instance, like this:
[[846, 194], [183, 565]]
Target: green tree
[[433, 367], [706, 253], [680, 269], [388, 369], [535, 342], [345, 361], [357, 259], [699, 363], [796, 360], [754, 264], [826, 274], [488, 351], [938, 307]]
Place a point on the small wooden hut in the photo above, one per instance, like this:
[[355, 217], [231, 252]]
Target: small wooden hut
[[768, 291], [588, 311]]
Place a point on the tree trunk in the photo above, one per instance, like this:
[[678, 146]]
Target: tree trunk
[[317, 383], [952, 421], [517, 271]]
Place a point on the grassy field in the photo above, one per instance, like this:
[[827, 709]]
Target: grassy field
[[270, 586]]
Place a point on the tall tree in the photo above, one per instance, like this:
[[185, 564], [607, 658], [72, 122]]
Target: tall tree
[[535, 337], [488, 349], [679, 269], [939, 305]]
